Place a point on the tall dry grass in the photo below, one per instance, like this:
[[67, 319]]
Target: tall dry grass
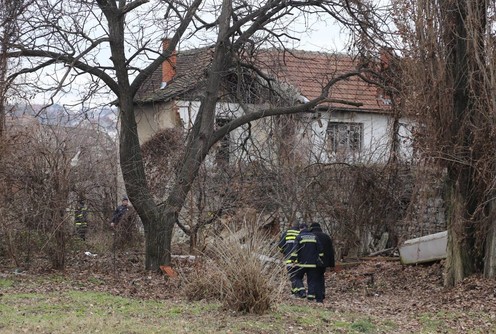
[[242, 270]]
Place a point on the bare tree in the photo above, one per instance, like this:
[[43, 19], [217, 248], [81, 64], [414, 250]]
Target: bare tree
[[44, 170], [72, 34], [8, 12], [451, 72]]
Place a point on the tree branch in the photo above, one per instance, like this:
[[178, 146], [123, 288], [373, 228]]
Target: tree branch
[[140, 78], [62, 58], [250, 117], [130, 6]]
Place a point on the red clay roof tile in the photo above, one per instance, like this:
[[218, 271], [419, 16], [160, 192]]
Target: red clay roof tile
[[307, 71]]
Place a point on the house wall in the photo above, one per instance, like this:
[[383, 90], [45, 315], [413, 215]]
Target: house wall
[[313, 141], [152, 118], [375, 137], [255, 135]]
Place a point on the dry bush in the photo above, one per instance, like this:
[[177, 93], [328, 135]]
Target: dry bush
[[44, 169], [242, 271], [201, 282], [161, 155]]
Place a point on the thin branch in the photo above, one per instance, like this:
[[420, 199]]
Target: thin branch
[[57, 57]]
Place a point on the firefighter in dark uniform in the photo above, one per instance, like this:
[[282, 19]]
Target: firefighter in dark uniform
[[307, 254], [123, 224], [81, 219], [328, 258], [285, 246], [120, 211]]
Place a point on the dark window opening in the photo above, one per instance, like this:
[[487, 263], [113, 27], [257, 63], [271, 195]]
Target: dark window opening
[[344, 137]]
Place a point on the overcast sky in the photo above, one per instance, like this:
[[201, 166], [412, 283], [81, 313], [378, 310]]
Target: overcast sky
[[313, 35], [321, 36]]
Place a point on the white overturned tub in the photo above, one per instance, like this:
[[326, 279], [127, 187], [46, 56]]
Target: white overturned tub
[[428, 248]]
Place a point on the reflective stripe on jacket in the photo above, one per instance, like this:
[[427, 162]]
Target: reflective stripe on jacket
[[286, 243], [81, 216], [307, 251]]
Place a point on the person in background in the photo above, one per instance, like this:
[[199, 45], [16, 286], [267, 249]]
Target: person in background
[[307, 255], [81, 219], [124, 226], [327, 259], [120, 211], [285, 246]]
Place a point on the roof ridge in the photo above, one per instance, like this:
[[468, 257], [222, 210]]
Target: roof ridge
[[290, 51]]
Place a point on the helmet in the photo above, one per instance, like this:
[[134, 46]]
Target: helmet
[[314, 226]]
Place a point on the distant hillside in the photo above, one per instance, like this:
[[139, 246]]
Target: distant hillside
[[105, 117]]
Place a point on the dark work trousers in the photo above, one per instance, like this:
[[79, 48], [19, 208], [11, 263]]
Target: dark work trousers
[[297, 282], [321, 279], [295, 286], [81, 229], [313, 282]]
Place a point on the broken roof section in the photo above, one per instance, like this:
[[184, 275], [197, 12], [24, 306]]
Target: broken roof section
[[311, 71], [307, 72], [190, 68]]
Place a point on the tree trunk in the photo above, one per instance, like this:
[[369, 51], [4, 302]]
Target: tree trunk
[[193, 242], [58, 255], [490, 255], [458, 262], [159, 239], [460, 182], [7, 29], [57, 231], [158, 243], [157, 225]]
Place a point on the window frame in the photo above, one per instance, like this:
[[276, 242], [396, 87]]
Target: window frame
[[344, 145]]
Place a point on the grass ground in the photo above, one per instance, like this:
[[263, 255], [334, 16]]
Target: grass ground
[[100, 312], [93, 296], [97, 312]]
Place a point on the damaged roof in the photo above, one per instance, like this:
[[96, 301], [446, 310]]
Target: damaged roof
[[310, 71], [307, 71], [191, 69]]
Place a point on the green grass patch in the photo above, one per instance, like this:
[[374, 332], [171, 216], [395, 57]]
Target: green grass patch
[[91, 312], [6, 283], [363, 326], [77, 311], [434, 322], [318, 319]]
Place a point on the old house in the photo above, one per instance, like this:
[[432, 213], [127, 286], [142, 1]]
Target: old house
[[334, 131], [355, 125]]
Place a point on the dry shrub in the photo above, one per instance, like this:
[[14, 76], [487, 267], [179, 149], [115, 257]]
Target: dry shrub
[[201, 282], [242, 271]]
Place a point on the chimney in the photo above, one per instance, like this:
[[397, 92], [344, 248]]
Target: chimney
[[386, 57], [169, 65]]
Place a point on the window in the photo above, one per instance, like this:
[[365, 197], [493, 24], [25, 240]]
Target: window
[[344, 137]]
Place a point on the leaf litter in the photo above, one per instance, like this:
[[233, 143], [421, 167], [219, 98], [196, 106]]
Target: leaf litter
[[412, 298]]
